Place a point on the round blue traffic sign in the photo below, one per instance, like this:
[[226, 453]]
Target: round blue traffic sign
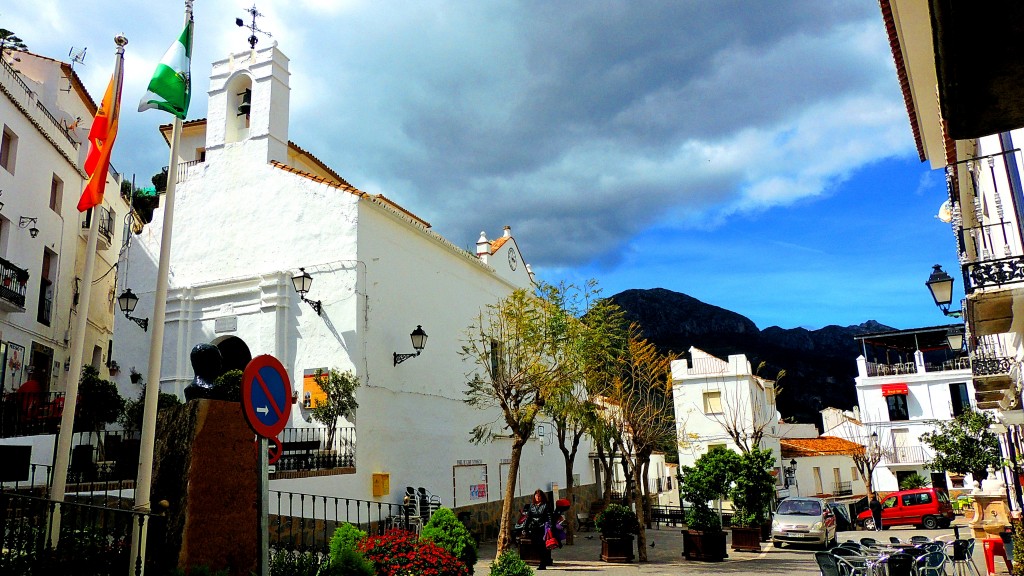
[[266, 395]]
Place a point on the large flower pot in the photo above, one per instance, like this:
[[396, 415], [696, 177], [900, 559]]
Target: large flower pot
[[704, 545], [766, 531], [746, 539], [618, 549]]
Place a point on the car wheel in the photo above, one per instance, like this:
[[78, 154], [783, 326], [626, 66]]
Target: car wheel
[[869, 524], [930, 522]]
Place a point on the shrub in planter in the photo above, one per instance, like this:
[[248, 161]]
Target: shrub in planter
[[617, 521], [295, 563], [510, 564], [398, 552], [345, 558], [445, 530], [707, 480], [751, 493]]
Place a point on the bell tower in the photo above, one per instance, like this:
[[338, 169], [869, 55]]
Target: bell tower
[[248, 106]]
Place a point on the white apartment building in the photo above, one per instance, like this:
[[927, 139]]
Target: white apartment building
[[711, 394], [907, 382], [45, 114]]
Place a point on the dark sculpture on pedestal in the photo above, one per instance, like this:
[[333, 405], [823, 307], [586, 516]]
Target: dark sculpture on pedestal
[[207, 365]]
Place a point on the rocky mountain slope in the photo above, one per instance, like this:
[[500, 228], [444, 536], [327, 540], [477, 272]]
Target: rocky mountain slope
[[820, 364]]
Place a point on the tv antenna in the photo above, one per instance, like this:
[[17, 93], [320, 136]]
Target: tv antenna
[[76, 58], [253, 29]]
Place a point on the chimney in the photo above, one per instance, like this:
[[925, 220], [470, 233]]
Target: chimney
[[508, 232], [483, 247]]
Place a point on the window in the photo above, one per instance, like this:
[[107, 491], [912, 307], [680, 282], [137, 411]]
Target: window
[[201, 154], [854, 473], [889, 502], [8, 149], [717, 447], [959, 400], [897, 404], [712, 402], [837, 476], [817, 480], [917, 499], [56, 194]]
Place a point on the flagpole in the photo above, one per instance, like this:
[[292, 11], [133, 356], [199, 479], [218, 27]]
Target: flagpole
[[62, 458]]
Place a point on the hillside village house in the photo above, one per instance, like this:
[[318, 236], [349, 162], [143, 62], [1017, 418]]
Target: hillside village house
[[907, 382], [45, 115], [253, 211], [822, 466], [972, 130]]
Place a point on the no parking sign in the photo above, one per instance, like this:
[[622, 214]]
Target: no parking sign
[[266, 395]]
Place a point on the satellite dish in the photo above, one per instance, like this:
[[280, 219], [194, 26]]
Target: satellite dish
[[945, 212]]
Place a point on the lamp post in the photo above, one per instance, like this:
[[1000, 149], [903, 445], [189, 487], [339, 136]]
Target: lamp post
[[874, 456], [302, 282], [940, 285], [127, 302], [419, 341]]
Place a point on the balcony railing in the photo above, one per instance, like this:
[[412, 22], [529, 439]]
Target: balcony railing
[[905, 455], [13, 284], [30, 413], [842, 488], [989, 356], [994, 273], [10, 72], [306, 522], [305, 449], [106, 222]]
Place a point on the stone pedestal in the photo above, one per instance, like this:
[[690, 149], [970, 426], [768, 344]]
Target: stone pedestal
[[206, 467], [991, 515]]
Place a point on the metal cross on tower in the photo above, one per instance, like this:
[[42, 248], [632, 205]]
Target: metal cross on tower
[[253, 29]]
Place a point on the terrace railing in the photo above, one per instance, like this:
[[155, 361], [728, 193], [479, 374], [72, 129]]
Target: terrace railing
[[30, 413], [311, 448], [306, 522]]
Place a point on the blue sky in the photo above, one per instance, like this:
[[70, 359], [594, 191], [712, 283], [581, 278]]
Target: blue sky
[[756, 156]]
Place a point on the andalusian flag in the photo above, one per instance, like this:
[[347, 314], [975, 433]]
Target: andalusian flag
[[101, 141], [171, 86]]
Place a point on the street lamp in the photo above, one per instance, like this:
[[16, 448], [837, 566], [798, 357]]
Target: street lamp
[[26, 222], [940, 285], [127, 302], [955, 338], [301, 282], [419, 341]]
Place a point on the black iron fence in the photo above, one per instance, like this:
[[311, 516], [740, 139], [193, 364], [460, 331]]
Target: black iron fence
[[94, 538], [314, 449], [842, 488], [30, 413], [306, 522], [13, 283]]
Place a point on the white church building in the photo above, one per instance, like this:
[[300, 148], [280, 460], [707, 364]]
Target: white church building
[[252, 211]]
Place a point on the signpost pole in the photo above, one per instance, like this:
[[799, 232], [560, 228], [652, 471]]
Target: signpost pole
[[263, 486]]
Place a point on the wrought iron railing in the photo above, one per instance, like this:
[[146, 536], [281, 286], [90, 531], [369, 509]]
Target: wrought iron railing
[[994, 273], [105, 224], [30, 413], [905, 455], [93, 539], [13, 283], [880, 369], [306, 522], [989, 356], [14, 74], [842, 488], [312, 448]]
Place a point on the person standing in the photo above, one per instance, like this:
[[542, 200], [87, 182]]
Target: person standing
[[538, 514], [876, 511]]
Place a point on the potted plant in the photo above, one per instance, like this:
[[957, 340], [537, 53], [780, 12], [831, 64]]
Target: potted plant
[[135, 376], [617, 525], [751, 493], [707, 480]]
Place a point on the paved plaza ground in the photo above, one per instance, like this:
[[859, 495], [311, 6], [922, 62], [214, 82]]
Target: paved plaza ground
[[665, 557]]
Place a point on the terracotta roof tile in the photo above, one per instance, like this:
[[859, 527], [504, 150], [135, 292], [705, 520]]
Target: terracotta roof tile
[[498, 243], [820, 446], [901, 73]]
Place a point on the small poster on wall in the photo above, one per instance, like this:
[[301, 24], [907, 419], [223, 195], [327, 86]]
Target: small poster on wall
[[311, 391], [14, 366]]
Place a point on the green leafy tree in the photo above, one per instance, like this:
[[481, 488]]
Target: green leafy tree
[[131, 417], [707, 480], [99, 402], [755, 487], [965, 444], [340, 389], [445, 530], [519, 357], [228, 386]]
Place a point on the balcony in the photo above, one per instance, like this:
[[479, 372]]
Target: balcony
[[905, 455], [13, 284], [313, 450], [994, 372], [106, 225], [30, 413], [842, 488]]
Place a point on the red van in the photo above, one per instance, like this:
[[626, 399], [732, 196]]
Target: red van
[[924, 507]]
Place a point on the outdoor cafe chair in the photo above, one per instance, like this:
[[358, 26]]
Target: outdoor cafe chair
[[895, 540], [827, 564], [854, 546], [869, 542], [900, 564], [920, 539], [931, 564]]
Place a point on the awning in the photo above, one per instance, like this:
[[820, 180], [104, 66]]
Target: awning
[[894, 389]]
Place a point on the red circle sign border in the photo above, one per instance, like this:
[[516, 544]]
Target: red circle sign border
[[251, 370]]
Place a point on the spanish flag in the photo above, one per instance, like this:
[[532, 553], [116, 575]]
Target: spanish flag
[[101, 141]]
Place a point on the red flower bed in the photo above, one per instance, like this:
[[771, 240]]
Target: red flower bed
[[398, 552]]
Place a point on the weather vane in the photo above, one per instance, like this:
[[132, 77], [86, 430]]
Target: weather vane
[[252, 27]]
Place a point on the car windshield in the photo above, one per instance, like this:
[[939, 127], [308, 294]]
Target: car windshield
[[799, 508]]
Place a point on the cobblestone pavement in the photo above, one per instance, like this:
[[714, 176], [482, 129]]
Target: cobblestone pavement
[[665, 557]]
